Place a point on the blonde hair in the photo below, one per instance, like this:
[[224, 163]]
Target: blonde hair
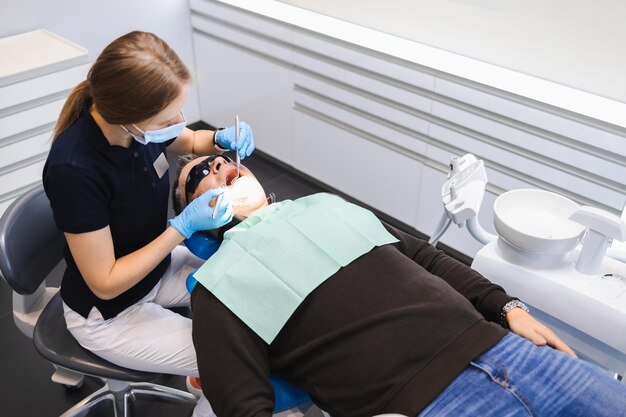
[[134, 78]]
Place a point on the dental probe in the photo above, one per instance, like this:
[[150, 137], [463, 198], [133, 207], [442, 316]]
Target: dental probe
[[217, 205], [236, 142]]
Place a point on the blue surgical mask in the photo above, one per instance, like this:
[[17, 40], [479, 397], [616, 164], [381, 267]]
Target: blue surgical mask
[[158, 136]]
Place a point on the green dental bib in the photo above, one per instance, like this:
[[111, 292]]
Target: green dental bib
[[270, 262]]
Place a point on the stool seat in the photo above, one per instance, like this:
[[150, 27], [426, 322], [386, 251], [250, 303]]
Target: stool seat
[[55, 343]]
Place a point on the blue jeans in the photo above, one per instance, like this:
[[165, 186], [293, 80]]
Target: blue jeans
[[515, 378]]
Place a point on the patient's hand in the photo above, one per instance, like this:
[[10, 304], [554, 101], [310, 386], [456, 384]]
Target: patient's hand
[[525, 325]]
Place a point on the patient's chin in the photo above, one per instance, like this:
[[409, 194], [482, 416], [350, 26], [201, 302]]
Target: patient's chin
[[245, 188]]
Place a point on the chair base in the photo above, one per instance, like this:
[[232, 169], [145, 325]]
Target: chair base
[[68, 378], [119, 396]]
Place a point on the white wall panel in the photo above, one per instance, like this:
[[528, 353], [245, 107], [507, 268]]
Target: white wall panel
[[36, 88], [577, 43], [581, 129], [242, 82], [533, 172], [33, 89], [376, 63], [6, 203], [365, 82], [11, 153], [380, 177], [402, 117], [230, 33], [220, 13], [499, 181], [351, 114], [21, 177], [37, 116], [527, 141], [384, 134]]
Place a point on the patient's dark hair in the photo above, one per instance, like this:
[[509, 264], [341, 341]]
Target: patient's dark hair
[[178, 199]]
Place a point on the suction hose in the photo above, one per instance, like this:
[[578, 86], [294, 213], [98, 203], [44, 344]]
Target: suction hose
[[442, 226], [478, 232]]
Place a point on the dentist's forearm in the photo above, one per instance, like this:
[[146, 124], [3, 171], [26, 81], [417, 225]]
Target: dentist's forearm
[[129, 270], [204, 143], [108, 276]]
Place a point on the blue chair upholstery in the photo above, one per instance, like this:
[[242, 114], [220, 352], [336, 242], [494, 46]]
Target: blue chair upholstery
[[286, 396]]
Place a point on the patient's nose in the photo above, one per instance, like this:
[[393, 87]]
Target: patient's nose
[[217, 164]]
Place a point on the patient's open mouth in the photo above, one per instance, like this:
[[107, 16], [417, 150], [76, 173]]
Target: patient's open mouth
[[231, 177]]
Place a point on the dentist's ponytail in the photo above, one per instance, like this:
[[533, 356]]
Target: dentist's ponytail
[[72, 108]]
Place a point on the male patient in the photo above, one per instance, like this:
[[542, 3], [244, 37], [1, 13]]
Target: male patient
[[365, 318]]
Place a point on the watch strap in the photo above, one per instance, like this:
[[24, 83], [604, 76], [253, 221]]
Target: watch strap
[[508, 307], [215, 144]]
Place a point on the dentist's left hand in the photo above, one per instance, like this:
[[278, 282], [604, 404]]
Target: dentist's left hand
[[198, 215], [225, 139]]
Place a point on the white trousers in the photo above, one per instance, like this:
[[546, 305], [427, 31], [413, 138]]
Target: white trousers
[[147, 336]]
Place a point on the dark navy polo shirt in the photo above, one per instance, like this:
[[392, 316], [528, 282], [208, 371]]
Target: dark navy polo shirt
[[92, 184]]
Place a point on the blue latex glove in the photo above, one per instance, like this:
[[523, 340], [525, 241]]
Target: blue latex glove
[[199, 215], [225, 139]]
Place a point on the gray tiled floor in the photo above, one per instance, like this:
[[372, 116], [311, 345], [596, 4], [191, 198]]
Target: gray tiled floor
[[25, 386]]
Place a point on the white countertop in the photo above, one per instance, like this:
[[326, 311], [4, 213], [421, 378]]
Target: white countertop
[[28, 54], [532, 87]]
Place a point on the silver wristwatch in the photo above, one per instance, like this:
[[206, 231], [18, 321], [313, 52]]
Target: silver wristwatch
[[508, 307]]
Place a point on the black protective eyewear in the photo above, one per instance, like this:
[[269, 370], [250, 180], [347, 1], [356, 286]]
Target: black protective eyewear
[[198, 172]]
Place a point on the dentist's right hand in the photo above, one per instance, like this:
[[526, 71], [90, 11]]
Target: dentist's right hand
[[198, 215]]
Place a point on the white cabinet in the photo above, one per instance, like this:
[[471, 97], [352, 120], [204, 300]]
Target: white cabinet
[[37, 73]]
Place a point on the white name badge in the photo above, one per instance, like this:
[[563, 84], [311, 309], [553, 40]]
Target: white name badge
[[161, 165]]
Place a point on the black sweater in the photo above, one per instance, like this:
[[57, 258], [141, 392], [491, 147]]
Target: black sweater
[[385, 334]]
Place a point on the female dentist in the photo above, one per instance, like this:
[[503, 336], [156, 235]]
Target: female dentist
[[107, 181]]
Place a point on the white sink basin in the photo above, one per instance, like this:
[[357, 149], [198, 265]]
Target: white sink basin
[[536, 221]]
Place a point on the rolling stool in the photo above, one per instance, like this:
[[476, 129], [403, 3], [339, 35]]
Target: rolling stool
[[30, 248]]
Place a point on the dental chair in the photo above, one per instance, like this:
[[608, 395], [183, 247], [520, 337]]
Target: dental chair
[[31, 248], [289, 400]]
